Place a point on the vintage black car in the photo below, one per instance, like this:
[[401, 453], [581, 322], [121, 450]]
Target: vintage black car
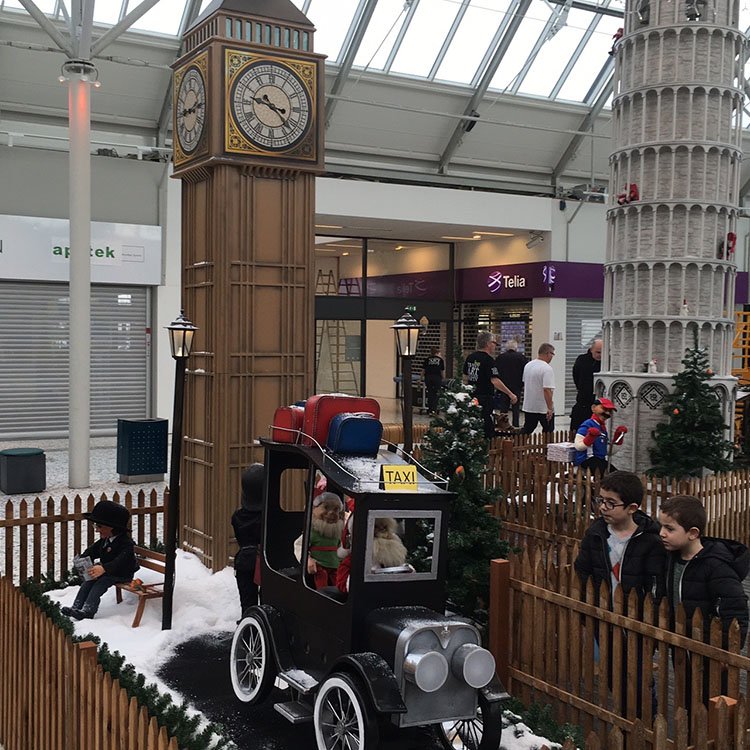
[[385, 651]]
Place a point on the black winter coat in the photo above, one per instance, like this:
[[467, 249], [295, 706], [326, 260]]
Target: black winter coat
[[643, 563], [247, 525], [712, 582], [116, 555]]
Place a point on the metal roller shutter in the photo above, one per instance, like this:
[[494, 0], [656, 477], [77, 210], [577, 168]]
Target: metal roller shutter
[[583, 324], [34, 358]]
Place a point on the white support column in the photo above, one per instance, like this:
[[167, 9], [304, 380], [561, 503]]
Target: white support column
[[549, 326], [79, 92]]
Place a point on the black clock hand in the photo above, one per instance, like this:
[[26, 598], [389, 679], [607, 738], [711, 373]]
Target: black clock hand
[[272, 106]]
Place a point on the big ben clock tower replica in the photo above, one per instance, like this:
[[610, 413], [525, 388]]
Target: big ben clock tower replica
[[248, 143]]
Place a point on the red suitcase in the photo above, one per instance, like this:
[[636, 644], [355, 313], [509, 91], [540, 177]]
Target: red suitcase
[[320, 410], [289, 419]]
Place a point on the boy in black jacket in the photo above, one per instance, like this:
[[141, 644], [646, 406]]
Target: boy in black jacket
[[622, 547], [703, 573], [113, 556], [247, 525]]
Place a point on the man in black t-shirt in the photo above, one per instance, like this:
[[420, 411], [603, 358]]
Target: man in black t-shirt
[[433, 369], [480, 371]]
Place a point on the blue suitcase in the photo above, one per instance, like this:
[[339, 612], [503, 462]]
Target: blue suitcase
[[354, 434]]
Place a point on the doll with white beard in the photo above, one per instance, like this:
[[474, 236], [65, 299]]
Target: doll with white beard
[[325, 535], [388, 551]]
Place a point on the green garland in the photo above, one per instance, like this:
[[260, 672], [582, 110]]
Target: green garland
[[176, 719]]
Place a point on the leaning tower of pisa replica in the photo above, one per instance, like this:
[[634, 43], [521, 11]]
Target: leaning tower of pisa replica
[[674, 194]]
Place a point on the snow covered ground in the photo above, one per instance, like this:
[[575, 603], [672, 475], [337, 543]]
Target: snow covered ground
[[204, 603]]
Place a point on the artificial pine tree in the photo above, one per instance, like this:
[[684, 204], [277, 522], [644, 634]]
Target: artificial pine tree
[[693, 437], [455, 448]]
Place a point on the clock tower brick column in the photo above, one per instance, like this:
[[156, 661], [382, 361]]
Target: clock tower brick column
[[248, 212]]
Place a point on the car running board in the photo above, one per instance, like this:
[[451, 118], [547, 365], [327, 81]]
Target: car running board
[[295, 712]]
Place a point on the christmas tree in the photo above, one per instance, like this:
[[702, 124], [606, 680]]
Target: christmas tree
[[455, 448], [693, 437]]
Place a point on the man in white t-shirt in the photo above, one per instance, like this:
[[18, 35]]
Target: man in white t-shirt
[[538, 390]]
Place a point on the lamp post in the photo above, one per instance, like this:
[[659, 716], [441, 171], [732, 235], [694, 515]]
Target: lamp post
[[181, 332], [407, 334]]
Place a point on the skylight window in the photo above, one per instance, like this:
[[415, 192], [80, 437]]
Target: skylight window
[[331, 21], [424, 38], [472, 39], [382, 31], [163, 18]]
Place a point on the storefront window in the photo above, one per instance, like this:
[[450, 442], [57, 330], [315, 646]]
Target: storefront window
[[408, 270], [338, 267], [338, 356]]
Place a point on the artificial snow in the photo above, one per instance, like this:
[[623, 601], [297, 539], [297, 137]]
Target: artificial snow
[[205, 604]]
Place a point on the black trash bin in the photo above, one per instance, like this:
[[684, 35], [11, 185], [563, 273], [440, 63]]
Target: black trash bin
[[23, 470], [141, 450]]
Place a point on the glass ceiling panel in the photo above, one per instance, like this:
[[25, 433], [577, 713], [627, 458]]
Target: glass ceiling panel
[[163, 18], [555, 54], [107, 14], [474, 35], [46, 6], [424, 38], [381, 33], [523, 42], [591, 61], [331, 21]]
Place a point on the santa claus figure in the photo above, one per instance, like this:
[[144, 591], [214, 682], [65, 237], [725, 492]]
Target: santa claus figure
[[592, 442], [388, 551]]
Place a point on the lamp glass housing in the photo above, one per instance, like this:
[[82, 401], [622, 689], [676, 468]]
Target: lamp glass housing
[[181, 332], [407, 330]]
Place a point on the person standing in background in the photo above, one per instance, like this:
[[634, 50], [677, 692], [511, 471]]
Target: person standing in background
[[480, 373], [432, 371], [538, 390], [510, 366], [586, 366]]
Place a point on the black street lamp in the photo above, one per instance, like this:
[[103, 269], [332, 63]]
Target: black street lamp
[[407, 330], [181, 333]]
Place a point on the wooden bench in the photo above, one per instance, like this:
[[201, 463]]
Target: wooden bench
[[147, 558]]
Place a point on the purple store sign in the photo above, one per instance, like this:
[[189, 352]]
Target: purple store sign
[[556, 279]]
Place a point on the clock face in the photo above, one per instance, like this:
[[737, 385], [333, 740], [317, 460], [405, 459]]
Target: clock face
[[271, 106], [190, 110]]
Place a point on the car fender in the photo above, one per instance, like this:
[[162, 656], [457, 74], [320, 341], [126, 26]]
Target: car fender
[[271, 618], [494, 692], [377, 678]]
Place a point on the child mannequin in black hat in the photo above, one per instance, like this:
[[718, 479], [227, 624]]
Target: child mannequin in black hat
[[247, 524], [113, 555]]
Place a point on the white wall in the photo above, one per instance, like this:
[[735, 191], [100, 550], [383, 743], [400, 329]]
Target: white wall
[[381, 356]]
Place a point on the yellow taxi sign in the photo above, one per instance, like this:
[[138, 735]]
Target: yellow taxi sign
[[398, 477]]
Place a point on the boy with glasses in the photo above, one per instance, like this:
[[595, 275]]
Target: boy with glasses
[[622, 547]]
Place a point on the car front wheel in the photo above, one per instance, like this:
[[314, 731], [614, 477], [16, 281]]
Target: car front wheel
[[483, 732], [343, 716], [251, 664]]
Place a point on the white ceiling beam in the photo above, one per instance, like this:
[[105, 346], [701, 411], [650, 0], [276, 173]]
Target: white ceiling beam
[[517, 13], [86, 31], [49, 28], [587, 125], [122, 26], [350, 52]]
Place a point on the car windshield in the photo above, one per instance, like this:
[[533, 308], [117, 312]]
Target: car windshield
[[402, 545]]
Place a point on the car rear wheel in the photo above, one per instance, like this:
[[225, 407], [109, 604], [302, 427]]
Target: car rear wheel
[[343, 716], [483, 732], [251, 663]]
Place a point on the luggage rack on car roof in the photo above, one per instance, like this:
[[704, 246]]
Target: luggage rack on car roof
[[334, 458]]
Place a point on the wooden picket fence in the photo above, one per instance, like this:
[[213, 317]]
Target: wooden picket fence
[[554, 658], [55, 696], [547, 501], [42, 536]]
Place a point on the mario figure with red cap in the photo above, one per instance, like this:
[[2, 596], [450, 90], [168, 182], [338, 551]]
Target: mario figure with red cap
[[592, 439]]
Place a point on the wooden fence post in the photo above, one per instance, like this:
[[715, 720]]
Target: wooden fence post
[[721, 714], [499, 609]]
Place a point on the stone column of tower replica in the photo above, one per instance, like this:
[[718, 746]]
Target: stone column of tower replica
[[248, 142], [674, 186]]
